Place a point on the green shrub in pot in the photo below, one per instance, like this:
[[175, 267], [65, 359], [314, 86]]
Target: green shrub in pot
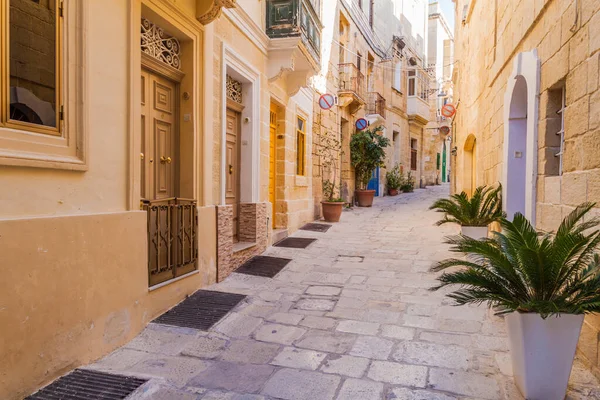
[[543, 283], [367, 152], [474, 213]]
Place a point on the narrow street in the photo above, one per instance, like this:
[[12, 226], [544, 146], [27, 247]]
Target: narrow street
[[351, 317]]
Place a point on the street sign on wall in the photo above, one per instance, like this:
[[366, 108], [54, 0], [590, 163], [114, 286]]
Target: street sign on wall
[[326, 101], [448, 110], [361, 124]]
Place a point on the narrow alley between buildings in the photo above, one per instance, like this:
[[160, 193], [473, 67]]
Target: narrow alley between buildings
[[350, 317]]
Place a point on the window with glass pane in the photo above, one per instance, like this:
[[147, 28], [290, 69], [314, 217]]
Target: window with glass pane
[[411, 83], [300, 147], [33, 64]]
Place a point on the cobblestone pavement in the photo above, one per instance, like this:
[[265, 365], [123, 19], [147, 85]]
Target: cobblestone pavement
[[350, 317]]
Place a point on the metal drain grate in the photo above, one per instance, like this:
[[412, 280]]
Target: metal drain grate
[[264, 266], [316, 227], [295, 243], [201, 310], [83, 384]]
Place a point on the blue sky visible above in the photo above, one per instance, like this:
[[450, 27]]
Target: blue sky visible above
[[447, 7]]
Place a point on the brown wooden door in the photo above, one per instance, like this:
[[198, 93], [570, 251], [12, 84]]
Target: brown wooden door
[[158, 137], [232, 167]]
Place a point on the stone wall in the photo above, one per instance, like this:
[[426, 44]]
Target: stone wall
[[566, 35], [253, 229], [224, 241]]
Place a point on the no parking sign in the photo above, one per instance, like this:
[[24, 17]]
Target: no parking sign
[[326, 101], [361, 124]]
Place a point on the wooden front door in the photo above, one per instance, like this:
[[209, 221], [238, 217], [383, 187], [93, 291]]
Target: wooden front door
[[232, 166], [272, 158], [158, 137]]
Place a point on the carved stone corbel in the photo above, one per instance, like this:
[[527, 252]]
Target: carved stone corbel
[[209, 10]]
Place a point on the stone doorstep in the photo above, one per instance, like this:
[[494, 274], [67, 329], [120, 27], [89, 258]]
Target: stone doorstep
[[241, 246]]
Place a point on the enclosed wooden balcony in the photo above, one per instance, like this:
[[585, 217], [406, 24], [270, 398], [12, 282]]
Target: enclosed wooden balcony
[[294, 28], [376, 105], [352, 87]]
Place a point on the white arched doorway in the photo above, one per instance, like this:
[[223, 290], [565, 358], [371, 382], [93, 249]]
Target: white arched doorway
[[520, 136]]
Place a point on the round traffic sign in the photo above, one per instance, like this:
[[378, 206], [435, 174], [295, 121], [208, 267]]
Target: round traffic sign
[[448, 110], [361, 124], [326, 101], [444, 130]]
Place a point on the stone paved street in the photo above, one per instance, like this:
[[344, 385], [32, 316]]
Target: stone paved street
[[350, 317]]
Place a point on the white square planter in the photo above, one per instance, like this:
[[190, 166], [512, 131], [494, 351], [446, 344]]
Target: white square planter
[[475, 232], [542, 352]]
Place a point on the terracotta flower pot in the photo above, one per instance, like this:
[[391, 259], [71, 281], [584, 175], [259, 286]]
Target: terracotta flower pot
[[332, 210], [393, 192], [365, 197]]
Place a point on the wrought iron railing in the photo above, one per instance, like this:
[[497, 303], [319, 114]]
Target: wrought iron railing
[[172, 238], [351, 80], [289, 18], [376, 104]]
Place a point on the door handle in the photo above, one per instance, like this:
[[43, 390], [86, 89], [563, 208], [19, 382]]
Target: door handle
[[165, 160], [230, 169]]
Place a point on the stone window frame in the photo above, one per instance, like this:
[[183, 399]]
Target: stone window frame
[[66, 149]]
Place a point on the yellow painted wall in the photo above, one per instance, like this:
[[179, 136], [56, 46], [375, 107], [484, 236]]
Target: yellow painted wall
[[73, 244]]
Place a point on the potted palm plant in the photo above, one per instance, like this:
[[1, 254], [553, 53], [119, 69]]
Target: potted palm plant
[[543, 283], [393, 180], [367, 152], [473, 214]]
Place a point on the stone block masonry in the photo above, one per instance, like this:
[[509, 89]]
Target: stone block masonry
[[566, 36], [253, 231]]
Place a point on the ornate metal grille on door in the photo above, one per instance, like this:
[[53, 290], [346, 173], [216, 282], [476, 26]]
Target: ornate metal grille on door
[[172, 238]]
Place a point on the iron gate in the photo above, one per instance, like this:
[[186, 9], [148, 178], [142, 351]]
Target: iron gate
[[172, 238]]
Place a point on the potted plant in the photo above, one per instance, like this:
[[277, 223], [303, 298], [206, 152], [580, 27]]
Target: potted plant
[[543, 283], [367, 152], [473, 214], [331, 205], [328, 149], [408, 183], [393, 180]]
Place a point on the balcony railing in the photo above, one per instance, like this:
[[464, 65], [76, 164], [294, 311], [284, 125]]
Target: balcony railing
[[290, 18], [376, 104], [172, 238], [351, 80]]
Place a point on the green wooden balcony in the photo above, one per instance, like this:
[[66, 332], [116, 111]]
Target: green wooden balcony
[[296, 18]]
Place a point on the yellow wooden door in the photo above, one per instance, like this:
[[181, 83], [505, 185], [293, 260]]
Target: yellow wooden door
[[232, 173], [158, 134], [273, 158]]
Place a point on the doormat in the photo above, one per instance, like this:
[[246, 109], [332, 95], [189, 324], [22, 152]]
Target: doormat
[[264, 266], [201, 310], [86, 384], [295, 243], [314, 227]]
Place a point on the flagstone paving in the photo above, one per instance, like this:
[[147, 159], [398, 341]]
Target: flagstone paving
[[351, 317]]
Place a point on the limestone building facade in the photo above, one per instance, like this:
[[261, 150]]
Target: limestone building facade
[[130, 187], [528, 99], [374, 63]]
